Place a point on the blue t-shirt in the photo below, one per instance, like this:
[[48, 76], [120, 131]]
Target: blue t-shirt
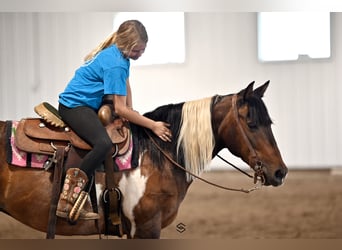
[[105, 74]]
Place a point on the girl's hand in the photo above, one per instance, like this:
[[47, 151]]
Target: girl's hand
[[162, 131]]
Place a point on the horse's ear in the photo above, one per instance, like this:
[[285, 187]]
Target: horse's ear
[[247, 91], [261, 90]]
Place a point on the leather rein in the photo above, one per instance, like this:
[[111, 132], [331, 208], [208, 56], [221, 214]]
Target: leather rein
[[258, 175]]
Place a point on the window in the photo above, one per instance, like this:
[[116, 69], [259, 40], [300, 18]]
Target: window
[[166, 38], [289, 35]]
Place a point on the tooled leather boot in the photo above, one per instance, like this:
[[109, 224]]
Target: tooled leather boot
[[74, 183]]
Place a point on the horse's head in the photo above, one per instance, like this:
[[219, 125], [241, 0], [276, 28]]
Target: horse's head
[[242, 124]]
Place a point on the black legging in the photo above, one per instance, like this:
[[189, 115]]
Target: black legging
[[85, 122]]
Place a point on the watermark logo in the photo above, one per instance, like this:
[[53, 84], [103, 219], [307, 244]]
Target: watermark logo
[[181, 228]]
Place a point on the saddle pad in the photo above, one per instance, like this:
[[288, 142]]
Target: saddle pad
[[20, 158], [124, 161]]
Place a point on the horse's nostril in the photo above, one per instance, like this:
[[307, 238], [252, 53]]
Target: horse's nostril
[[280, 174]]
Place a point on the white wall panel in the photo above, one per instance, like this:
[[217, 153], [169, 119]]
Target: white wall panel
[[40, 51]]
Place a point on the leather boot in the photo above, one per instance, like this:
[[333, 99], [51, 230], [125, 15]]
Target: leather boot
[[75, 181]]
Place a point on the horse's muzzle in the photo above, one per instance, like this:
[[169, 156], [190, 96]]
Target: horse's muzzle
[[277, 177]]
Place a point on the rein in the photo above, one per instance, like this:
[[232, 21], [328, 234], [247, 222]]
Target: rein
[[196, 176], [238, 169]]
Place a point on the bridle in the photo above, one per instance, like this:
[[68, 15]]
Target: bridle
[[258, 174]]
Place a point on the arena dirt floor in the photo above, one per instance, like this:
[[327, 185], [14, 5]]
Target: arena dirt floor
[[307, 206]]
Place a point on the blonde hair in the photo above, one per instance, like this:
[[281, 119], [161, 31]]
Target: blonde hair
[[196, 137], [128, 35]]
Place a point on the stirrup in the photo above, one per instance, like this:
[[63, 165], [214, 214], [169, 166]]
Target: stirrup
[[76, 210]]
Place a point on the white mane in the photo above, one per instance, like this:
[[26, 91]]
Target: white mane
[[196, 136]]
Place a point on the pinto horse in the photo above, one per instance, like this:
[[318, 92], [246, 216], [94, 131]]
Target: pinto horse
[[153, 191]]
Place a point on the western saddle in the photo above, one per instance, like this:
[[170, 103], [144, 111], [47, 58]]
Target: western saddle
[[43, 135], [49, 135]]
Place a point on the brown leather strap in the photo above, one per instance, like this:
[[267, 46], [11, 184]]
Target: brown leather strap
[[56, 189], [114, 216], [93, 198], [245, 138], [194, 175], [254, 160]]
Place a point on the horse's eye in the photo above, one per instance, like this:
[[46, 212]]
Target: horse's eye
[[252, 125]]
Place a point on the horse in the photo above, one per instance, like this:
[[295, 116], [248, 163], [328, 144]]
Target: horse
[[153, 191]]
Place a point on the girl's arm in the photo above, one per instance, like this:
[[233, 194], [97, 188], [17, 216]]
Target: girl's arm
[[129, 97], [159, 128]]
